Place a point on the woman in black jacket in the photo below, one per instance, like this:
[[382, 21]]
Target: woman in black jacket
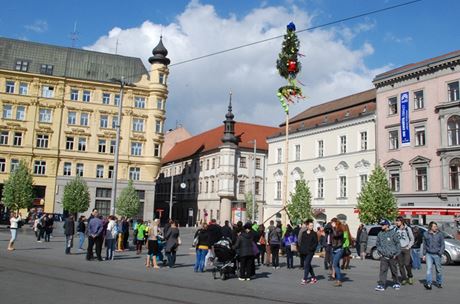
[[308, 241], [202, 247], [245, 246]]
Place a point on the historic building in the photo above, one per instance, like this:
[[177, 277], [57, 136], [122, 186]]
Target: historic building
[[332, 147], [418, 131], [210, 175], [60, 114]]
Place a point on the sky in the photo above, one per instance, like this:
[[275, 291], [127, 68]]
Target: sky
[[340, 59]]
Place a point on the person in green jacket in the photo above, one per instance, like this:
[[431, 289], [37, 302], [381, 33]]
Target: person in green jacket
[[141, 229], [346, 247]]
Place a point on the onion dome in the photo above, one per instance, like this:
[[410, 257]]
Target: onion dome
[[159, 54]]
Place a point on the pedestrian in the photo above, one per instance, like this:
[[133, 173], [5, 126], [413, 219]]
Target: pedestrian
[[290, 243], [69, 231], [337, 249], [119, 238], [347, 240], [301, 230], [261, 245], [167, 226], [389, 248], [41, 228], [81, 228], [227, 230], [433, 249], [364, 237], [328, 247], [201, 241], [406, 237], [358, 239], [274, 239], [49, 222], [15, 220], [308, 242], [321, 237], [141, 232], [111, 234], [415, 252], [152, 244], [268, 251], [172, 243], [245, 246], [125, 228], [95, 239]]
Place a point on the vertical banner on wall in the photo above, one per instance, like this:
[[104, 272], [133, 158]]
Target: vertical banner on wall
[[405, 125]]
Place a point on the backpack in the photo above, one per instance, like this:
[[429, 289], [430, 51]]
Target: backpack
[[275, 237]]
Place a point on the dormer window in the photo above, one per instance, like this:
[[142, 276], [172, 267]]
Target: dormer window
[[21, 65], [46, 69]]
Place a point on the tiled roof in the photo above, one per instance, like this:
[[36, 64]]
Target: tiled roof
[[211, 140], [339, 110], [70, 62]]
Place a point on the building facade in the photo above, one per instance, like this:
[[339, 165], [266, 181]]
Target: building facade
[[418, 123], [332, 147], [60, 114], [213, 173]]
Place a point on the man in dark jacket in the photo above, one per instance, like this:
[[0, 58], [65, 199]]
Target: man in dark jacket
[[245, 246], [433, 249], [389, 248], [308, 241], [69, 231], [95, 227], [227, 230], [215, 232]]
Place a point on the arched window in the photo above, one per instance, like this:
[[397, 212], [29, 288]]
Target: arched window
[[453, 130], [454, 172]]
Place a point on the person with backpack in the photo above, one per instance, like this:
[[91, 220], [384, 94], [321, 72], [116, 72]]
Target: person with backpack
[[111, 238], [389, 248], [406, 237], [308, 241], [274, 240], [433, 249], [69, 231]]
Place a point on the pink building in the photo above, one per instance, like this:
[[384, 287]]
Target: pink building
[[418, 136]]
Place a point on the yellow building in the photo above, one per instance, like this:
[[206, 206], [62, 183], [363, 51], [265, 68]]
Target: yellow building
[[60, 112]]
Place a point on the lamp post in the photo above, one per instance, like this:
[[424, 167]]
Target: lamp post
[[254, 180], [171, 192]]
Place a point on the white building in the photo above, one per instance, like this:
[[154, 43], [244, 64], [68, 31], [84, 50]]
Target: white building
[[332, 147]]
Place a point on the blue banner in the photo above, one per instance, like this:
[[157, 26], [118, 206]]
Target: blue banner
[[405, 125]]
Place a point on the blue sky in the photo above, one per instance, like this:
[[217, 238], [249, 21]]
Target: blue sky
[[374, 43]]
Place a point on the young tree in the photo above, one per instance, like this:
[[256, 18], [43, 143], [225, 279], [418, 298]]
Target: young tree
[[248, 200], [128, 202], [299, 208], [376, 201], [76, 196], [18, 189]]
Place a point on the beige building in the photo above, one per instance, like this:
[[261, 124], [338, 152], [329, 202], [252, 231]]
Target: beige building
[[60, 113]]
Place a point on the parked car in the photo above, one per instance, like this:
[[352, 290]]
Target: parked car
[[371, 248]]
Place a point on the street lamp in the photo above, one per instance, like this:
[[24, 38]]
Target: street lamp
[[254, 180], [171, 192]]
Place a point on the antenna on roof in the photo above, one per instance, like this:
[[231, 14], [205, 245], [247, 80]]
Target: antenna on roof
[[74, 35]]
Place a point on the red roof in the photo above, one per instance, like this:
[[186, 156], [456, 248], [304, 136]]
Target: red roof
[[211, 140]]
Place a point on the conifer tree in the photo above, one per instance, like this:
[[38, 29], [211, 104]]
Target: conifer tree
[[76, 196], [18, 189], [299, 209]]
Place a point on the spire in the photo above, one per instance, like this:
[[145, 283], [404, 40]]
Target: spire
[[160, 53], [229, 125]]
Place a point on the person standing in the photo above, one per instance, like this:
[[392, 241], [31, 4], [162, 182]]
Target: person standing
[[433, 249], [415, 252], [69, 231], [363, 242], [49, 223], [274, 239], [111, 234], [261, 244], [152, 245], [95, 228], [346, 255], [337, 249], [308, 242], [290, 243], [245, 246], [328, 247], [389, 248], [141, 229], [41, 228], [406, 237], [172, 243], [202, 247], [358, 240], [15, 219], [81, 229], [125, 228]]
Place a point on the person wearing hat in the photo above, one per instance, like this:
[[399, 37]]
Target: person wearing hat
[[245, 246], [389, 248]]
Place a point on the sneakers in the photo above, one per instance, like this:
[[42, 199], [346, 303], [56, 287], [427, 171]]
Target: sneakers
[[379, 288], [411, 281], [439, 285], [396, 287], [404, 282], [241, 279], [304, 282], [427, 286], [338, 284], [313, 281]]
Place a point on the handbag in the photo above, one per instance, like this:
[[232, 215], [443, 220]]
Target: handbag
[[293, 247], [255, 249]]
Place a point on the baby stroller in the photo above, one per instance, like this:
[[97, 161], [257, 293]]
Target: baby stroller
[[225, 259]]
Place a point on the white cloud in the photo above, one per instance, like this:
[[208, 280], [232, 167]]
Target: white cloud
[[198, 95], [39, 26], [392, 38]]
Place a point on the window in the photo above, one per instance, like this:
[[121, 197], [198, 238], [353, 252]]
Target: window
[[139, 102], [242, 187], [343, 186], [114, 121], [392, 106], [258, 166], [201, 187], [213, 163], [242, 162], [161, 78], [14, 164], [394, 180], [101, 146], [44, 115], [363, 180], [86, 96], [42, 140], [297, 152], [279, 155], [134, 173], [320, 188], [102, 202], [84, 119], [7, 111], [363, 141], [82, 144], [23, 88], [453, 91], [158, 126], [17, 140], [156, 150], [320, 148], [48, 91], [160, 104], [454, 172], [418, 100], [106, 98], [46, 69], [20, 113], [9, 87], [22, 65], [394, 140], [419, 136], [100, 171], [278, 190], [67, 169], [207, 187], [72, 118], [110, 172], [343, 144], [453, 130], [138, 125], [116, 99], [136, 148], [2, 165], [79, 170], [104, 121], [4, 137], [113, 144], [212, 186], [73, 94], [69, 143], [257, 188], [421, 178], [40, 167]]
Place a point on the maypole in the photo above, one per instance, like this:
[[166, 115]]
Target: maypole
[[288, 67]]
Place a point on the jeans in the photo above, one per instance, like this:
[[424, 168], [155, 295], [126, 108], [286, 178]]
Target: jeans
[[416, 262], [386, 263], [404, 264], [327, 257], [275, 249], [436, 260], [82, 240], [110, 243], [200, 257], [307, 266], [171, 258], [336, 256], [68, 243], [41, 233], [289, 257], [14, 233]]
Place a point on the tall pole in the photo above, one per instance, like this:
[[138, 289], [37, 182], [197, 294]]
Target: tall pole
[[254, 182], [117, 150], [286, 168], [171, 193]]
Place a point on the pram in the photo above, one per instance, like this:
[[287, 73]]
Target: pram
[[225, 259]]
